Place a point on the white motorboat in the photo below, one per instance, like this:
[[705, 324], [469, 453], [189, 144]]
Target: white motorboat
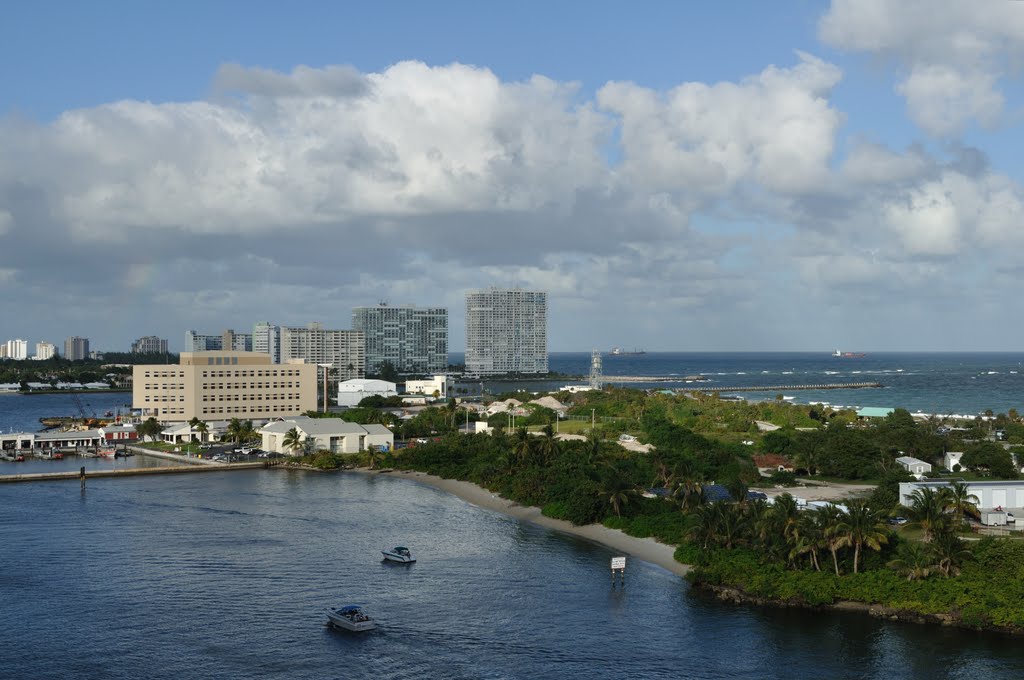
[[398, 554], [350, 617]]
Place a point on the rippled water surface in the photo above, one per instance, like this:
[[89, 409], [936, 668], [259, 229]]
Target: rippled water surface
[[225, 575]]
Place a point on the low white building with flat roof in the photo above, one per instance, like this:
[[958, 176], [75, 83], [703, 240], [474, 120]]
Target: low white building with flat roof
[[1004, 494], [351, 392], [439, 386]]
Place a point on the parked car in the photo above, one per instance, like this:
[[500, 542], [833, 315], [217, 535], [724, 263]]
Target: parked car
[[897, 521]]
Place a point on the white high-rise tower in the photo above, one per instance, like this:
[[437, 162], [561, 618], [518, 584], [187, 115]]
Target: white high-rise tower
[[506, 331]]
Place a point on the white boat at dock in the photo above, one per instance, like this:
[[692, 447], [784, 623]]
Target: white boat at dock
[[350, 617], [398, 554]]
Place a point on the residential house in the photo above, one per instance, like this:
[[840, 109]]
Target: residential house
[[916, 467]]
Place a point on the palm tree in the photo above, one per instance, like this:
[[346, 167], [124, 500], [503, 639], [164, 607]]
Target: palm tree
[[203, 429], [862, 528], [616, 491], [950, 552], [957, 498], [246, 432], [687, 490], [732, 524], [593, 448], [927, 506], [915, 560], [234, 430], [703, 524], [830, 520], [523, 446], [292, 440], [548, 446]]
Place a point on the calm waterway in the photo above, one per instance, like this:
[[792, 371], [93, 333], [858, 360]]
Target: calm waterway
[[225, 575]]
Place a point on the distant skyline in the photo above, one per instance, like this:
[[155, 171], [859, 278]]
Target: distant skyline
[[790, 176]]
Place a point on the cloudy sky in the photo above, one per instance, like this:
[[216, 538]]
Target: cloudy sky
[[677, 176]]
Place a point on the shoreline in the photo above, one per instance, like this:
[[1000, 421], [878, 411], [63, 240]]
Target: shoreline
[[645, 549]]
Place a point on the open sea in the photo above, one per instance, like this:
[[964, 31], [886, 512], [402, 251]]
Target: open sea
[[226, 575], [937, 383]]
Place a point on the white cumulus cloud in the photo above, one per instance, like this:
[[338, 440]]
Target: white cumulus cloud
[[953, 53]]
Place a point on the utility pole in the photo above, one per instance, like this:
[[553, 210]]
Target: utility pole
[[592, 419]]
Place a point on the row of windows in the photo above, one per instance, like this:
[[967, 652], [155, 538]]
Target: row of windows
[[263, 408], [252, 386], [269, 373], [245, 397], [164, 386], [164, 374]]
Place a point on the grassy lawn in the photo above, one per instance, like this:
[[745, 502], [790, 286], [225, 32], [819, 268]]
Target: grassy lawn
[[566, 427]]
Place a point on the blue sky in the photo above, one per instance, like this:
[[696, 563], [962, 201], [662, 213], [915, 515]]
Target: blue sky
[[739, 176]]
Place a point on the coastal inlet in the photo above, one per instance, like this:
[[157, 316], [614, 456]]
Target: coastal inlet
[[227, 575]]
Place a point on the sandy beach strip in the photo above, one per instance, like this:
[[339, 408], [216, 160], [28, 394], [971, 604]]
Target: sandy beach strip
[[646, 549]]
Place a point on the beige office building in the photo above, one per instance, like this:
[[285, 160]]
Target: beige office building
[[223, 385]]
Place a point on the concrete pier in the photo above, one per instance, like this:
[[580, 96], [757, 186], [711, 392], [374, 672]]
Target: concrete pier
[[130, 472]]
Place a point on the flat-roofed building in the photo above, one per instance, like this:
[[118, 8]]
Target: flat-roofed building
[[344, 350], [266, 338], [45, 350], [14, 349], [76, 348], [149, 344], [199, 342], [506, 331], [351, 392], [412, 339], [222, 385], [438, 386]]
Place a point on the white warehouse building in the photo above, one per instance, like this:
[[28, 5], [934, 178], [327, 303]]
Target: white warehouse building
[[1005, 494], [351, 392]]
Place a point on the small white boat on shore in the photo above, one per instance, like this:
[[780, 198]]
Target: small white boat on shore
[[350, 617], [398, 554]]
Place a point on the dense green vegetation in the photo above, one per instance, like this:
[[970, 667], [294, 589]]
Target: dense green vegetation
[[777, 552]]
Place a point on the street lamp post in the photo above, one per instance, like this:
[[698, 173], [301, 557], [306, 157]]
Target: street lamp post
[[592, 419]]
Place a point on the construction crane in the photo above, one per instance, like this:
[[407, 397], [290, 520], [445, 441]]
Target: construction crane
[[81, 406]]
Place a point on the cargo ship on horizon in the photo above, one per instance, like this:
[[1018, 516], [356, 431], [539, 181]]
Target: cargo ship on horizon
[[848, 355], [619, 352]]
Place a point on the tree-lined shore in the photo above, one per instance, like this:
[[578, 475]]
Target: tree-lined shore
[[740, 544]]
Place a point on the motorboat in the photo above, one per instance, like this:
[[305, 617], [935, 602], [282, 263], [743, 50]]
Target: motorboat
[[398, 554], [350, 617]]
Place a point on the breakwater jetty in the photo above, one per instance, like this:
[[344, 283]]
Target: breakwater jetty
[[651, 378], [786, 388]]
